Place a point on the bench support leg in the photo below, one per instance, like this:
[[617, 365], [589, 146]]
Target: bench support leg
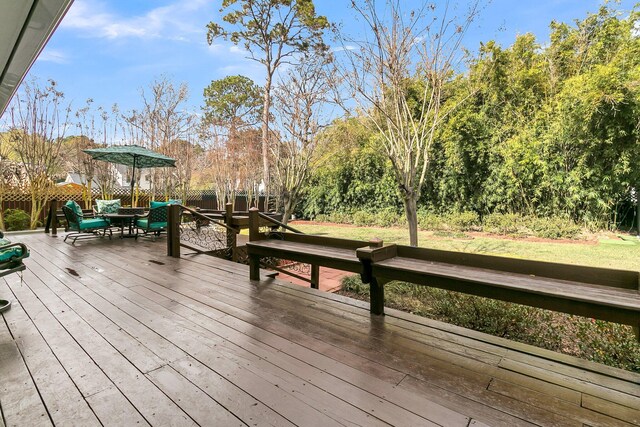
[[254, 267], [315, 276], [376, 295]]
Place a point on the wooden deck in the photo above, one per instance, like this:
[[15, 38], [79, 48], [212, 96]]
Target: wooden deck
[[116, 333]]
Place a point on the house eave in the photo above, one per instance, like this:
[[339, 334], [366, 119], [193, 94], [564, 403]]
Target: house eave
[[25, 28]]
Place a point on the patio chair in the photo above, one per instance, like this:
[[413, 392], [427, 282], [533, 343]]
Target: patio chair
[[154, 223], [81, 227], [11, 256]]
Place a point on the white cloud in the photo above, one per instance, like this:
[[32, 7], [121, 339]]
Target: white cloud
[[238, 50], [343, 48], [53, 55], [176, 21], [215, 48]]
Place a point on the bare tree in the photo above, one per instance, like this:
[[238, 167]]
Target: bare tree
[[84, 164], [38, 122], [230, 162], [96, 129], [247, 149], [217, 173], [158, 126], [177, 180], [273, 32], [110, 127], [299, 102], [396, 75]]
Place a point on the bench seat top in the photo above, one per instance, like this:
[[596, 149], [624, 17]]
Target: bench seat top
[[319, 251], [628, 299]]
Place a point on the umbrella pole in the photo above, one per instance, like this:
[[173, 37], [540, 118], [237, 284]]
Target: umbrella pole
[[133, 176]]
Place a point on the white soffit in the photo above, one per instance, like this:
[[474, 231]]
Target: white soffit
[[25, 27]]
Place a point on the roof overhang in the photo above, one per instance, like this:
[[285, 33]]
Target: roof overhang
[[25, 27]]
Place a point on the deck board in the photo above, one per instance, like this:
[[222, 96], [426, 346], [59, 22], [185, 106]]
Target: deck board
[[130, 336]]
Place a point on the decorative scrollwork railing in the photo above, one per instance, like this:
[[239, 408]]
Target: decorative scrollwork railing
[[205, 234]]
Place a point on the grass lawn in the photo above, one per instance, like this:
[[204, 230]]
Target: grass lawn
[[606, 253]]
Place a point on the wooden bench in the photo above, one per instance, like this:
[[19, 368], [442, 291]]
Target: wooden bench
[[600, 293], [314, 250], [295, 246]]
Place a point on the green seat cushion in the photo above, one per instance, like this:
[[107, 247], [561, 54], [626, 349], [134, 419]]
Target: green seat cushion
[[142, 223], [167, 203], [71, 204], [108, 206], [92, 223], [9, 253]]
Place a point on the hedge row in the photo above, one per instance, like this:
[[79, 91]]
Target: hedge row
[[505, 224]]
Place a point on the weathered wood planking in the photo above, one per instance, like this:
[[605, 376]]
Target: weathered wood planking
[[594, 275], [195, 337]]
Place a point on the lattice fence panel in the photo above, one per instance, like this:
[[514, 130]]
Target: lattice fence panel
[[204, 199]]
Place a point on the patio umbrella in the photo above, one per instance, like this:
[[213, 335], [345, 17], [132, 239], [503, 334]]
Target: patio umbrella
[[131, 155]]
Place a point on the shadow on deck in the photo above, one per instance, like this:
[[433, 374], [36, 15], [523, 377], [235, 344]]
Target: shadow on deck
[[117, 333]]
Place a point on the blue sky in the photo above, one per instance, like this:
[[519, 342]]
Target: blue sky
[[109, 49]]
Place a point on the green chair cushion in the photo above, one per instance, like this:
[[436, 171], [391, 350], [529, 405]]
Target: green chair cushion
[[92, 223], [75, 208], [108, 206], [9, 253], [142, 223], [167, 203]]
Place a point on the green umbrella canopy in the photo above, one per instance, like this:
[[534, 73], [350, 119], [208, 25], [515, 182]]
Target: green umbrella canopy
[[131, 155]]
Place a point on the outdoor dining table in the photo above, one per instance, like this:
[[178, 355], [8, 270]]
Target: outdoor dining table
[[126, 217]]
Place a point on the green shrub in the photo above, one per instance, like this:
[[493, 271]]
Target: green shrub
[[337, 217], [451, 234], [463, 221], [388, 217], [608, 343], [430, 221], [499, 318], [354, 285], [595, 340], [16, 219], [321, 218], [502, 223], [363, 218], [553, 228], [499, 223]]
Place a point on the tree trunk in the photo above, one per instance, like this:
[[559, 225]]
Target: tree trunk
[[88, 193], [265, 135], [2, 210], [288, 204], [411, 212], [36, 206]]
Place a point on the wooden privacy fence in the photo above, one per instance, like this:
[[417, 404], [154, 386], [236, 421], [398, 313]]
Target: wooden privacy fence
[[203, 199]]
